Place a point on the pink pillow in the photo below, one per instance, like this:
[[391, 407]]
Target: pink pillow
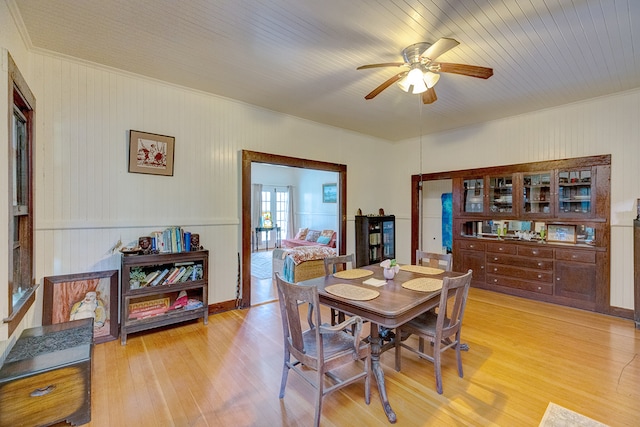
[[301, 234]]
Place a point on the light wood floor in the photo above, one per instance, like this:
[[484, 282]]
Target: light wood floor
[[523, 355]]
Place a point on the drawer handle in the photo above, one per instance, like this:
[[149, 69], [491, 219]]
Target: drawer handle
[[539, 288], [539, 264], [539, 276], [574, 256], [42, 391], [495, 280], [535, 252], [495, 259], [481, 267], [495, 269], [472, 246], [501, 249]]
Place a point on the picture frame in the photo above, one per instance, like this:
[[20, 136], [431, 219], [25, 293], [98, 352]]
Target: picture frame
[[151, 153], [561, 233], [66, 298], [330, 193]]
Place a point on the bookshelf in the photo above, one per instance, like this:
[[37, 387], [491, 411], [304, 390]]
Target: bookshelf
[[163, 289], [375, 239]]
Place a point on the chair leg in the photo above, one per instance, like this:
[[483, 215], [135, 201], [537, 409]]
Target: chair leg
[[398, 348], [437, 367], [316, 420], [459, 357], [285, 374], [367, 379]]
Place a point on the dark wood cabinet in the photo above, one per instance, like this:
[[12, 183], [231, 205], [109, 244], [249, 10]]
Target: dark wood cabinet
[[375, 239], [472, 257], [46, 377], [149, 291], [498, 214]]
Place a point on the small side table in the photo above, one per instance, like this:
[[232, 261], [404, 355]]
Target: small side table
[[267, 230], [46, 378]]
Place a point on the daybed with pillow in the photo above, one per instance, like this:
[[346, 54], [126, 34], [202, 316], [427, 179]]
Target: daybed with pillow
[[302, 263], [306, 237]]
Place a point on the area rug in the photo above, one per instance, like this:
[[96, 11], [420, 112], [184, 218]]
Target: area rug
[[558, 416], [261, 264]]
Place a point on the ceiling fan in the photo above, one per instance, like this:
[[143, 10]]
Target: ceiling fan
[[423, 70]]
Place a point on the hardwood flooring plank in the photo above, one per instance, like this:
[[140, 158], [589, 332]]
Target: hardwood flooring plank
[[523, 354]]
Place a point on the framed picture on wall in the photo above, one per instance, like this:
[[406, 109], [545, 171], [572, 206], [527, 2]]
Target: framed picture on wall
[[151, 153], [330, 193]]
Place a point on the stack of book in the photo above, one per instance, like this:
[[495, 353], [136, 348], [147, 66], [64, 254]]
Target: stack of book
[[172, 239], [179, 273]]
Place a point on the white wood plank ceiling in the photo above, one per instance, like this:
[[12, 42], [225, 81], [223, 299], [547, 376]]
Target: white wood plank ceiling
[[300, 56]]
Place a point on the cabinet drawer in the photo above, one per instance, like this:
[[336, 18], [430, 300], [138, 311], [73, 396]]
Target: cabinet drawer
[[476, 246], [56, 394], [535, 252], [579, 256], [521, 273], [520, 262], [510, 282], [502, 248]]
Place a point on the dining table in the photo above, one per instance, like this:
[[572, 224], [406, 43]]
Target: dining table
[[393, 306]]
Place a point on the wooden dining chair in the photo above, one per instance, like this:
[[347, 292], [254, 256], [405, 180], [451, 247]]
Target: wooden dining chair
[[435, 260], [333, 265], [441, 329], [427, 259], [320, 347]]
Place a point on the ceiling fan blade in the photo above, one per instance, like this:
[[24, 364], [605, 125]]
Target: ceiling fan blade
[[385, 64], [438, 48], [385, 85], [466, 70], [429, 97]]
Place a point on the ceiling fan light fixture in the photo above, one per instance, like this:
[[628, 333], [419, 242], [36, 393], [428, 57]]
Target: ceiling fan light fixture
[[431, 79], [413, 82]]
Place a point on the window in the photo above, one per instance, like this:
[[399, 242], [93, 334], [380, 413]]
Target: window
[[282, 211], [275, 201], [21, 141]]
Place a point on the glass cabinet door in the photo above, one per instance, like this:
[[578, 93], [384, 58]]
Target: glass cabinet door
[[388, 240], [574, 192], [537, 193], [473, 195], [501, 194]]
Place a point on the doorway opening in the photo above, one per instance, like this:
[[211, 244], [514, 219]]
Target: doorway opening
[[252, 157]]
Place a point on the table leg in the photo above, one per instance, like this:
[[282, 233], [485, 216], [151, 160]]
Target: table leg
[[378, 373]]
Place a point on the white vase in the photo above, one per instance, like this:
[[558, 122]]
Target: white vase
[[389, 273]]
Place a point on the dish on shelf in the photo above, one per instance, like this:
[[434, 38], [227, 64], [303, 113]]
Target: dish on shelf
[[586, 197], [131, 251]]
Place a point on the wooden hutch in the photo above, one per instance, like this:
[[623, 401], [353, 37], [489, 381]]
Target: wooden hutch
[[537, 230]]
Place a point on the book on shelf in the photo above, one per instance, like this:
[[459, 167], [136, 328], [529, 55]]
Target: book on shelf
[[160, 277], [143, 309], [151, 277], [170, 240], [177, 276], [172, 274], [187, 274]]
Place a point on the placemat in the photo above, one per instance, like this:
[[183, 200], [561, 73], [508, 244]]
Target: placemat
[[423, 284], [421, 269], [351, 292], [356, 273]]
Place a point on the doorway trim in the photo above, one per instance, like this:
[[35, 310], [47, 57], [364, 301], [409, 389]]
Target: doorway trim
[[249, 157]]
